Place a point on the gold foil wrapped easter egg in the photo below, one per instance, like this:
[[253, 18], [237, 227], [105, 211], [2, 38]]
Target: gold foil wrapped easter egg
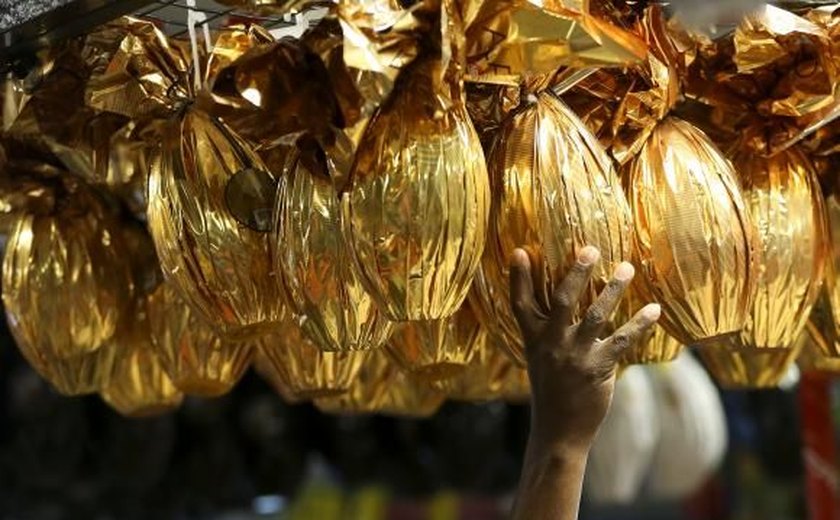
[[757, 369], [139, 385], [491, 375], [417, 207], [695, 244], [209, 213], [313, 261], [305, 371], [197, 359], [409, 398], [66, 282], [432, 350], [786, 204], [81, 374], [554, 191], [368, 390]]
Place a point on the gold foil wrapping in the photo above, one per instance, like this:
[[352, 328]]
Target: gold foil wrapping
[[734, 370], [417, 208], [832, 267], [66, 283], [814, 345], [554, 191], [491, 375], [381, 387], [432, 350], [139, 385], [314, 264], [786, 205], [210, 196], [305, 372], [695, 243], [220, 264], [196, 358]]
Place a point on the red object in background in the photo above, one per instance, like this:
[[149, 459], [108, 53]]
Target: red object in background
[[818, 449]]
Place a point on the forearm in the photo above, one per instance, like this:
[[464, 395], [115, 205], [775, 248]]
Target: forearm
[[551, 481]]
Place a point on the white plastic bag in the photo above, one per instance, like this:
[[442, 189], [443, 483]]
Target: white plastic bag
[[623, 451], [693, 437]]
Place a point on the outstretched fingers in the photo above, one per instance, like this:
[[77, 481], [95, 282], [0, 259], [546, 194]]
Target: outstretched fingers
[[522, 293], [631, 332], [566, 296], [599, 314]]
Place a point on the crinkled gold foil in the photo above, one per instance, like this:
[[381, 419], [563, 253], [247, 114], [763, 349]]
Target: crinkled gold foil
[[695, 244], [370, 387], [526, 38], [220, 265], [381, 387], [275, 379], [814, 345], [832, 267], [440, 349], [139, 386], [81, 374], [66, 283], [303, 369], [490, 375], [408, 398], [197, 359], [416, 211], [313, 262], [274, 92], [777, 64], [785, 202], [554, 190], [488, 304], [210, 196], [622, 107], [732, 369]]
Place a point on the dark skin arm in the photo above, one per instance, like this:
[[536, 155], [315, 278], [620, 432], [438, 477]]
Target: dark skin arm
[[572, 375]]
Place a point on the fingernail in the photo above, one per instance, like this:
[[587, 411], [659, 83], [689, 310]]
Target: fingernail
[[624, 271], [521, 257], [652, 311], [589, 255]]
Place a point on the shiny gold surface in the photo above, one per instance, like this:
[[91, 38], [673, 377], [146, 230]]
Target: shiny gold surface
[[417, 209], [490, 375], [66, 284], [695, 247], [815, 342], [732, 369], [139, 385], [313, 261], [432, 350], [196, 358], [832, 267], [785, 202], [75, 375], [220, 266], [554, 190], [306, 372], [204, 212], [370, 387]]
